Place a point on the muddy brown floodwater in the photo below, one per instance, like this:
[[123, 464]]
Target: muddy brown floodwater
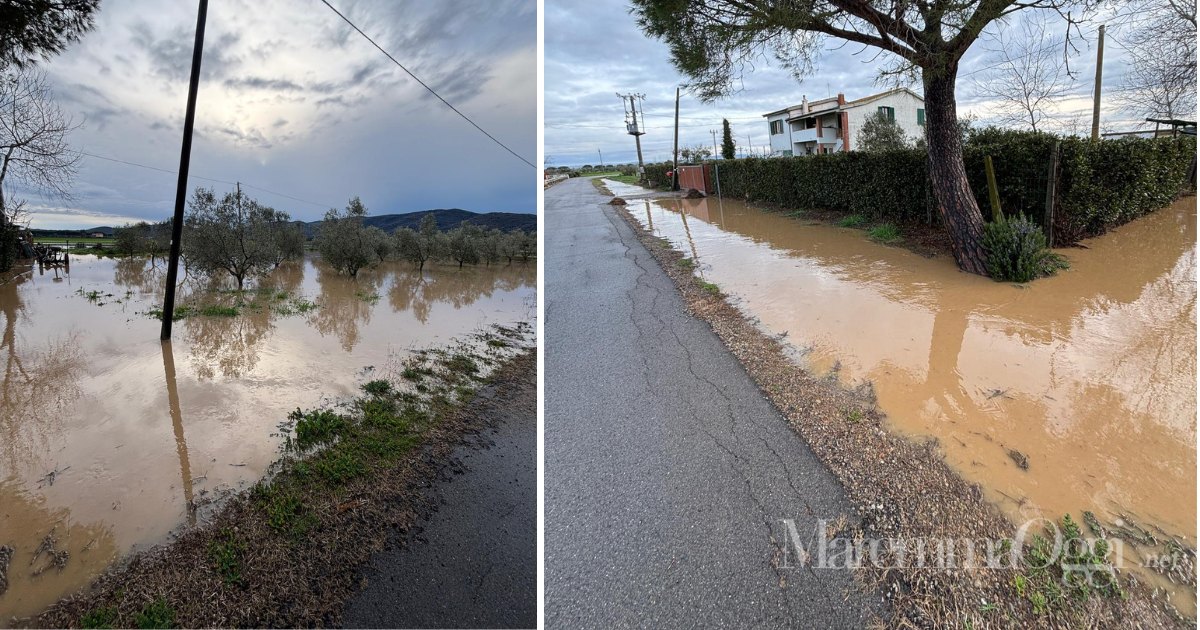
[[110, 440], [1090, 374]]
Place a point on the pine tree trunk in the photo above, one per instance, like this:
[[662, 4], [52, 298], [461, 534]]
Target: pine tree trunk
[[951, 190]]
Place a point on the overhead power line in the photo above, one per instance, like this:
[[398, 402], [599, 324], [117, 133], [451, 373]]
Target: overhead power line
[[418, 80], [207, 179]]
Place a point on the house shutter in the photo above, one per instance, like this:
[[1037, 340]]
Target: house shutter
[[921, 117], [889, 112]]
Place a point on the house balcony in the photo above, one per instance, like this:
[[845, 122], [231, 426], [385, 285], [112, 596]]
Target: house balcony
[[829, 135]]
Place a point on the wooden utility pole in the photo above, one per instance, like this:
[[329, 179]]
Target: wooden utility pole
[[1099, 81], [185, 159], [714, 135], [675, 158]]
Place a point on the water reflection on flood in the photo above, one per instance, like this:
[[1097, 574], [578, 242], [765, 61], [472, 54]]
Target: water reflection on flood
[[109, 439], [1091, 374]]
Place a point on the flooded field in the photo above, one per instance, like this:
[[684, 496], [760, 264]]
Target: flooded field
[[110, 440], [1087, 378]]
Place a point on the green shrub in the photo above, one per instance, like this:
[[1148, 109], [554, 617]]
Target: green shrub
[[377, 387], [156, 614], [316, 427], [884, 233], [852, 220], [1017, 252]]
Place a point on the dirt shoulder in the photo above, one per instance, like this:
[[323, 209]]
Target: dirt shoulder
[[288, 552], [904, 491]]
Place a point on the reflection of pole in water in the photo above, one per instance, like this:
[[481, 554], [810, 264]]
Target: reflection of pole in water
[[649, 219], [185, 468], [688, 231]]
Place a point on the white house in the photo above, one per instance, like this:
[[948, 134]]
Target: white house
[[831, 125]]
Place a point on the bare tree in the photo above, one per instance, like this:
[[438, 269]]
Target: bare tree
[[1027, 78], [33, 138], [1160, 38]]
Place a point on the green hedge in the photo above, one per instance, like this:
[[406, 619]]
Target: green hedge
[[1100, 185]]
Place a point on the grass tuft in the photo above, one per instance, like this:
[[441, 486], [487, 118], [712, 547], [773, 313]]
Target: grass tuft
[[884, 233], [852, 220]]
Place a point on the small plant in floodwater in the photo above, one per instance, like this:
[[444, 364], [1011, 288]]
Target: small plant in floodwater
[[156, 614], [316, 427], [497, 343], [461, 364], [884, 233], [1016, 251], [377, 387], [1020, 583], [100, 618], [686, 263], [367, 297], [213, 310], [852, 220], [709, 287], [226, 554], [414, 373]]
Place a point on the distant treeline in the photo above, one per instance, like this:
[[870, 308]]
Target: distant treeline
[[235, 235]]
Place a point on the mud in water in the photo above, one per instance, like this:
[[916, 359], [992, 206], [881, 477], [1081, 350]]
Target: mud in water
[[1072, 393], [110, 440]]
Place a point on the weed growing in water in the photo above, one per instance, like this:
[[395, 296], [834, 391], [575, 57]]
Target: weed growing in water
[[377, 387], [884, 233], [319, 426], [852, 220]]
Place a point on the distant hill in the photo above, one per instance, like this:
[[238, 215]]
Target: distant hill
[[446, 219]]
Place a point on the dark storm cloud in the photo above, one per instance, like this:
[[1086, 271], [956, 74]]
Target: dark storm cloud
[[170, 54]]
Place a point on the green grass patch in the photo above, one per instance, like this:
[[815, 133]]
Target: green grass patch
[[497, 343], [337, 466], [461, 364], [316, 427], [855, 415], [708, 287], [852, 220], [99, 618], [632, 180], [686, 263], [214, 310], [415, 373], [226, 554], [378, 387], [884, 233], [285, 510], [156, 614]]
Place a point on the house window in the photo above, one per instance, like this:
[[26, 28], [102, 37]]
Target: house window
[[921, 117], [890, 112], [776, 127]]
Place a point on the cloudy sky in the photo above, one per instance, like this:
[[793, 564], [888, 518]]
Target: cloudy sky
[[594, 50], [293, 101]]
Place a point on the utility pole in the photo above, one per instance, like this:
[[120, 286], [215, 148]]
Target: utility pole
[[714, 135], [750, 147], [675, 157], [601, 158], [185, 159], [632, 126], [1099, 80]]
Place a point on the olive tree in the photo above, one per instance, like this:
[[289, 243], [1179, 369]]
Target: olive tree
[[343, 241], [880, 133], [289, 240], [713, 42], [232, 234], [463, 244], [420, 246], [130, 239]]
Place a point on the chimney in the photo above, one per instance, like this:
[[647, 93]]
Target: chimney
[[841, 99], [804, 105]]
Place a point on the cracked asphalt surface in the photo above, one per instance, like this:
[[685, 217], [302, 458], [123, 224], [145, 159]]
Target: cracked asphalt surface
[[667, 472], [474, 563]]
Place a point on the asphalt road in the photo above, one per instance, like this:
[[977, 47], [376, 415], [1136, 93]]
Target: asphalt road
[[666, 470], [474, 564]]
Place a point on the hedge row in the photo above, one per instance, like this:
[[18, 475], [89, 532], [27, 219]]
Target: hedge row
[[1099, 185]]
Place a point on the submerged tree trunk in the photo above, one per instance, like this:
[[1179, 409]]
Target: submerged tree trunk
[[951, 190]]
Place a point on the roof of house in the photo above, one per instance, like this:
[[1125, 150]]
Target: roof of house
[[855, 103]]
